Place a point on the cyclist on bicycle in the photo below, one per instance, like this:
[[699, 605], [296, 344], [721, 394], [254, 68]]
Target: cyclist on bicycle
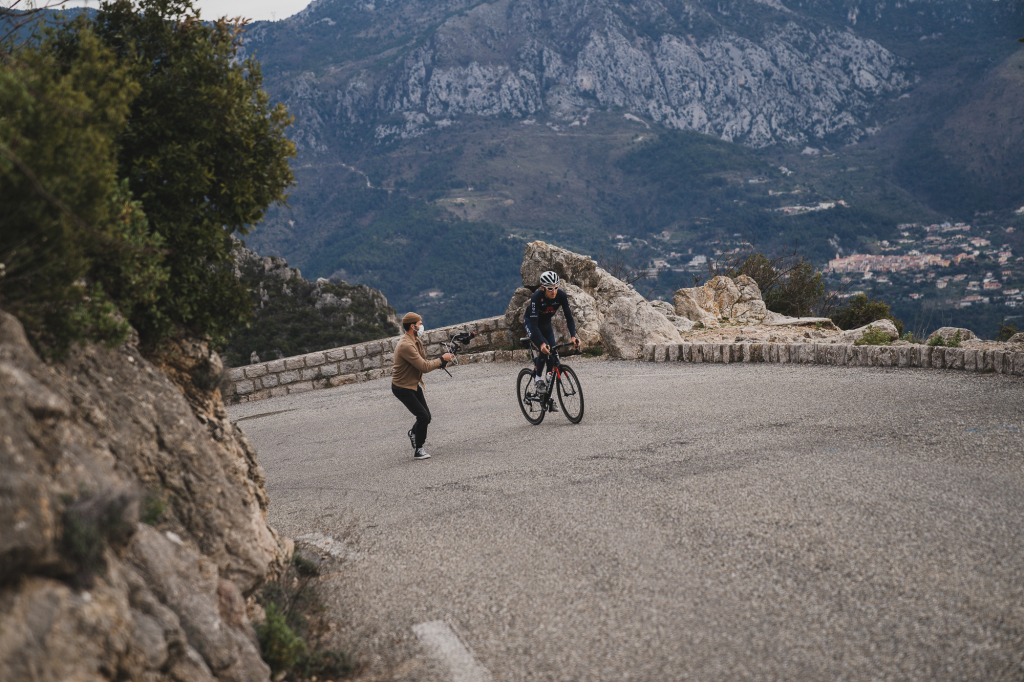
[[542, 306]]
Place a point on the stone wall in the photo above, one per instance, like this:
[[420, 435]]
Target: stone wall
[[359, 362], [911, 355]]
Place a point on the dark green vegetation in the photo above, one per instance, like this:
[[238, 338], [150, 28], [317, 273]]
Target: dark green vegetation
[[91, 524], [873, 337], [860, 310], [117, 198], [295, 316], [292, 635]]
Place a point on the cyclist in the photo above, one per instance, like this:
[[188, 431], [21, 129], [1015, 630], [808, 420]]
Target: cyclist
[[542, 306]]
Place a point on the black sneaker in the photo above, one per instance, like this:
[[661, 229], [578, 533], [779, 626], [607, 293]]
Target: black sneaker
[[420, 454], [552, 407], [412, 439]]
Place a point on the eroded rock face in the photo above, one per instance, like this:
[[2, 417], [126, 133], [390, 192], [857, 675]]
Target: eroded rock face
[[795, 80], [91, 443], [610, 310], [723, 298]]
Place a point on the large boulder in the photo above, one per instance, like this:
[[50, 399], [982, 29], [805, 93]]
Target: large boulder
[[885, 326], [625, 319], [723, 298], [584, 311], [683, 324], [949, 333]]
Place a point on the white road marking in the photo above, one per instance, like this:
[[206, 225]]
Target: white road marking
[[443, 644]]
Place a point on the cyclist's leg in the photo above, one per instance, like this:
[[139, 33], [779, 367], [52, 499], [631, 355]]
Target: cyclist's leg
[[549, 337]]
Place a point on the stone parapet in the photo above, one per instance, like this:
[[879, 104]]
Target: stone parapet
[[363, 362], [925, 357]]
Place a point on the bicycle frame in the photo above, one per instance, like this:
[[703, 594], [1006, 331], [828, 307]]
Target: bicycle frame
[[556, 368]]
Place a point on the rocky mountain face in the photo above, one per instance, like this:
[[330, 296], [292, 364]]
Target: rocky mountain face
[[295, 316], [753, 72], [133, 515]]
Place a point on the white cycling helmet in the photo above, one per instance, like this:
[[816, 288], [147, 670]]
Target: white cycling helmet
[[549, 278]]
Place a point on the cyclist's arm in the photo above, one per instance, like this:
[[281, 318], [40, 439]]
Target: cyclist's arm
[[567, 311]]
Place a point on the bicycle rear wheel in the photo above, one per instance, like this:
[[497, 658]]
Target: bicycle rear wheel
[[570, 394], [532, 409]]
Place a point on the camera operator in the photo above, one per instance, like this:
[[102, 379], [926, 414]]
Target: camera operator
[[407, 379]]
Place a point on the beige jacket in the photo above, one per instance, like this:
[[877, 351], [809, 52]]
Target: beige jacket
[[411, 363]]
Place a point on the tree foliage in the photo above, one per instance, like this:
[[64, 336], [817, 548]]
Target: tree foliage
[[861, 310], [131, 146], [74, 245], [205, 153], [789, 282]]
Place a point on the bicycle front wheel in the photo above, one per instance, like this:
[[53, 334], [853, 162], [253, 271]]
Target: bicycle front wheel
[[570, 395], [529, 402]]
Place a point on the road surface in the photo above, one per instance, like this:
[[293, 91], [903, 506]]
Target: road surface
[[703, 522]]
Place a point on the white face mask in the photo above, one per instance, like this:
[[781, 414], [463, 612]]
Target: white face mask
[[421, 329]]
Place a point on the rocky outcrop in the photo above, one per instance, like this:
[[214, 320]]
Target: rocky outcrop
[[693, 66], [723, 298], [949, 333], [134, 516], [885, 327], [609, 310]]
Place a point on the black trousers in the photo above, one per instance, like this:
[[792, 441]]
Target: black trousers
[[417, 404]]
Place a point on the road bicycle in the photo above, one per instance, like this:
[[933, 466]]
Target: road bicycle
[[561, 380]]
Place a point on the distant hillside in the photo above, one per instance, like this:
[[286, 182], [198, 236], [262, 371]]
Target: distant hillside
[[296, 316]]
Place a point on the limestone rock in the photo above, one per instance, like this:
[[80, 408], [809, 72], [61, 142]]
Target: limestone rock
[[1016, 338], [683, 324], [723, 298], [947, 334], [87, 440], [514, 313], [854, 335], [625, 319]]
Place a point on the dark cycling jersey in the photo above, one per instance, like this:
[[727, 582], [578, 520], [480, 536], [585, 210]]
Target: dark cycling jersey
[[539, 312]]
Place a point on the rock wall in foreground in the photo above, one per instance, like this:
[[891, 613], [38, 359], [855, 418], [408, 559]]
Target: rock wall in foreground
[[89, 449]]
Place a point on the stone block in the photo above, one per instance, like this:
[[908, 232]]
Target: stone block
[[336, 354], [278, 391], [350, 366], [275, 366], [648, 353], [269, 381], [756, 352], [373, 348], [686, 352], [301, 387], [784, 349], [254, 371], [954, 358], [236, 374], [1018, 364], [673, 353], [387, 360], [903, 356], [521, 355], [260, 395], [310, 373], [315, 359], [886, 356], [835, 354], [294, 363], [244, 387], [503, 356], [970, 359], [821, 353], [288, 377], [938, 360], [320, 383], [343, 379], [359, 351], [329, 370], [660, 352], [486, 356], [999, 361]]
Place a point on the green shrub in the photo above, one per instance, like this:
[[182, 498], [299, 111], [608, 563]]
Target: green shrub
[[789, 284], [1005, 331], [89, 524], [873, 337], [153, 507], [939, 340], [860, 310], [280, 647]]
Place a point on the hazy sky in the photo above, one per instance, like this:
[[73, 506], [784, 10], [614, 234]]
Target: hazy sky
[[268, 10]]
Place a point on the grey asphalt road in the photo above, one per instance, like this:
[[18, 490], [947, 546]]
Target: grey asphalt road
[[703, 522]]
